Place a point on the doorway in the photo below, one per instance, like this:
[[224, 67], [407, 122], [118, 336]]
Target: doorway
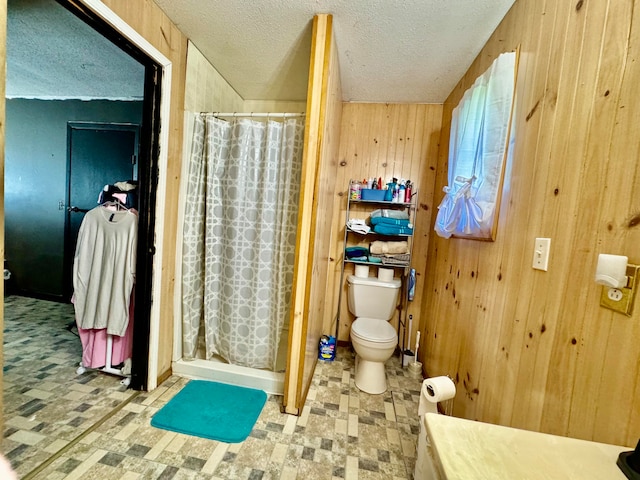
[[149, 141], [148, 176], [143, 104]]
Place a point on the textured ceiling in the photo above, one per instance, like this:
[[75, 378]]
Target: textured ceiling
[[51, 54], [389, 50]]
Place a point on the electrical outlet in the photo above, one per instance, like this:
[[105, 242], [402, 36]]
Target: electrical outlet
[[614, 294], [541, 253], [616, 299], [621, 299]]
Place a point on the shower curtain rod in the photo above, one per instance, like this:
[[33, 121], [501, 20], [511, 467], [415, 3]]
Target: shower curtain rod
[[236, 114]]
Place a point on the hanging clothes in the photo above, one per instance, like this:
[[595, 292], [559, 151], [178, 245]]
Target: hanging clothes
[[94, 344], [104, 269]]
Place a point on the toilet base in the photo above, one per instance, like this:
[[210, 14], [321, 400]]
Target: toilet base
[[370, 376]]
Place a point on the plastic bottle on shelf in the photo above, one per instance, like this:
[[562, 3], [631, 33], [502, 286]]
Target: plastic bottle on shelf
[[396, 193], [391, 188], [407, 192], [354, 190]]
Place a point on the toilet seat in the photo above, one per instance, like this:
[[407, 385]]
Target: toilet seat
[[373, 330]]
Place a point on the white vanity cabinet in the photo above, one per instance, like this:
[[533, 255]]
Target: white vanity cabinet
[[452, 448]]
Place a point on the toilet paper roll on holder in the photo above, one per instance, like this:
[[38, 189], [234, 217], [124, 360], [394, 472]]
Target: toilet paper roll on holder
[[431, 392], [429, 397]]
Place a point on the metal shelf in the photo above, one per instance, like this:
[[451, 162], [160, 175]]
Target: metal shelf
[[405, 266]]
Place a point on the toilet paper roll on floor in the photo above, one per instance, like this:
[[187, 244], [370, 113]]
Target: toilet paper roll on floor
[[434, 390]]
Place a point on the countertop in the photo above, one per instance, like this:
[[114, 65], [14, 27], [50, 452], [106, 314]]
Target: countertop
[[466, 449]]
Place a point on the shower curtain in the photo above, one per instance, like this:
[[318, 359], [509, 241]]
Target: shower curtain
[[239, 237]]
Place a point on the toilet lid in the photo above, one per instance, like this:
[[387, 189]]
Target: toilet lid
[[373, 330]]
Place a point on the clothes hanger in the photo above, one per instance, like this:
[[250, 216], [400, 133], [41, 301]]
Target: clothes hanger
[[119, 206]]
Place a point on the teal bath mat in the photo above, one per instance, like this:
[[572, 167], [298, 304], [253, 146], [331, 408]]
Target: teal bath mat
[[213, 410]]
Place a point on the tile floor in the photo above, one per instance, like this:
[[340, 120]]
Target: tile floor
[[101, 431]]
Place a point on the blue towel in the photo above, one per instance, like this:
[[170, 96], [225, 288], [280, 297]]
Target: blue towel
[[353, 252], [392, 229], [389, 221]]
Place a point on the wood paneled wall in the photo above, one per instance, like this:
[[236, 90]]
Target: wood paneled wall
[[528, 348], [384, 140], [150, 22]]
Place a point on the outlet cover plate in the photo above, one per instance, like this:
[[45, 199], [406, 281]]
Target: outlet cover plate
[[541, 254], [622, 306], [625, 304]]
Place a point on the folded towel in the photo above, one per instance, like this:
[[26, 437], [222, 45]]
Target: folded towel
[[355, 252], [390, 221], [392, 230], [356, 221], [380, 247], [390, 213], [358, 226]]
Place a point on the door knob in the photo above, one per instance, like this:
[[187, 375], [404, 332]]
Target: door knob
[[76, 209]]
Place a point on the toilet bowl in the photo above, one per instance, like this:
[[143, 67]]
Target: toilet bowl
[[373, 302], [374, 342]]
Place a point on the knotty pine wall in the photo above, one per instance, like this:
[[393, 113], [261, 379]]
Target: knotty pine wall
[[528, 348], [384, 140]]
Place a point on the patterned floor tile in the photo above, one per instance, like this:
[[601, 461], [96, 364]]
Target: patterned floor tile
[[342, 433]]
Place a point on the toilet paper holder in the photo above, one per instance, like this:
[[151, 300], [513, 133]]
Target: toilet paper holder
[[619, 280]]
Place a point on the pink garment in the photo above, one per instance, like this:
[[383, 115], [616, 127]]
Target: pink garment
[[122, 197], [94, 344]]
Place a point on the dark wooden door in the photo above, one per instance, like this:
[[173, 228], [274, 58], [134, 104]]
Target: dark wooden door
[[98, 155]]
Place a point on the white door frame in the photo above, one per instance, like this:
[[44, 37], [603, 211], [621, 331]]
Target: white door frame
[[106, 14]]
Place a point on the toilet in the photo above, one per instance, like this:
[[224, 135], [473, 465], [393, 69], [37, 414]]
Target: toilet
[[373, 302]]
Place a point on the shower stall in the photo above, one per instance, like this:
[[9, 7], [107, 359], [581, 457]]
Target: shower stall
[[238, 218]]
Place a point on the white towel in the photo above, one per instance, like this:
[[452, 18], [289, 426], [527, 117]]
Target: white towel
[[359, 226]]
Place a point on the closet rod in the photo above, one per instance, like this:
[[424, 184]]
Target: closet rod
[[235, 114]]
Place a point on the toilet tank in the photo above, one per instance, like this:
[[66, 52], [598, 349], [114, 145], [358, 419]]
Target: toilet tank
[[372, 298]]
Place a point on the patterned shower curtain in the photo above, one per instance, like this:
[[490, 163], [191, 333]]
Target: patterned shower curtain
[[239, 237]]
